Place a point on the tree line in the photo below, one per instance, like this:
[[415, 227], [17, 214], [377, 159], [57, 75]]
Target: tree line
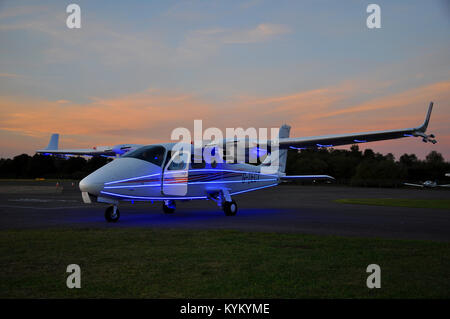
[[351, 167], [357, 168], [44, 166]]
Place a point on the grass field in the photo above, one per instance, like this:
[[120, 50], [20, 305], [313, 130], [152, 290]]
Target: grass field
[[144, 263], [399, 202]]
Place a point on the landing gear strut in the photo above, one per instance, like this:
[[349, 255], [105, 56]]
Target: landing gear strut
[[223, 199], [112, 214], [169, 206]]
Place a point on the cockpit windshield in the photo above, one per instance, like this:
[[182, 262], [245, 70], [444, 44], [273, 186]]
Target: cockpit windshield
[[152, 153]]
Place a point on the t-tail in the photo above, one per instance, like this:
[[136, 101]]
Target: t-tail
[[272, 165], [283, 153]]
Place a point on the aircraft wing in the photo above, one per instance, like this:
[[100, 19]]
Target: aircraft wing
[[416, 185], [355, 138], [52, 148], [446, 185], [81, 152]]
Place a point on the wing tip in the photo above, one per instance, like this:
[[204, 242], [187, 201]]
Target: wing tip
[[424, 126]]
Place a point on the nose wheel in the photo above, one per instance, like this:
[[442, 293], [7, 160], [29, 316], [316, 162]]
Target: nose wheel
[[112, 214]]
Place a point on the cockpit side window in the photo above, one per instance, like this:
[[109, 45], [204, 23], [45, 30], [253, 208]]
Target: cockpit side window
[[152, 153]]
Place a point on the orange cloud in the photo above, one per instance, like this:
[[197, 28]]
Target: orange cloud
[[136, 112]]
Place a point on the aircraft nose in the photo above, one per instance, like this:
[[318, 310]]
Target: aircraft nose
[[91, 185]]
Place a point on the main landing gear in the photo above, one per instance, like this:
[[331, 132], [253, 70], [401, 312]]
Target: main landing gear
[[169, 206], [229, 208], [112, 214], [223, 199]]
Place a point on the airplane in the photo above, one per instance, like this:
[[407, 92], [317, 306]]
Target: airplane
[[427, 184], [161, 172]]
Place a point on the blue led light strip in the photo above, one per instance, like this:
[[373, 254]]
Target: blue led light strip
[[240, 181], [228, 170], [133, 186], [193, 183], [153, 198], [297, 148], [191, 170], [131, 179], [320, 145], [253, 189]]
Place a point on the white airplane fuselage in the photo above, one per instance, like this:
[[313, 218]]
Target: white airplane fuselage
[[136, 179], [429, 184]]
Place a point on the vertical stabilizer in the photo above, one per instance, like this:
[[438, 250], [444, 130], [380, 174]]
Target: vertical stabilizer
[[53, 144], [283, 133]]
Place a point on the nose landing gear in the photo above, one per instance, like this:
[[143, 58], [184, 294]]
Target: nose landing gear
[[112, 214]]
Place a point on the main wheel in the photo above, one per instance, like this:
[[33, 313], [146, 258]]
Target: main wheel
[[112, 216], [169, 206], [230, 208]]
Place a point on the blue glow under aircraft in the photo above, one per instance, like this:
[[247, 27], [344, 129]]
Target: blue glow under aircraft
[[162, 172]]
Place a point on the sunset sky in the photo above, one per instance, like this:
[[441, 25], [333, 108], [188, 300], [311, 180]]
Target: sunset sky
[[136, 70]]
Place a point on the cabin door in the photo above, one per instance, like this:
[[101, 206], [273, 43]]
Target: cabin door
[[176, 173]]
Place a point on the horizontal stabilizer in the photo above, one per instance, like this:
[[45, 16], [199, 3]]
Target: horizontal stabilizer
[[308, 177]]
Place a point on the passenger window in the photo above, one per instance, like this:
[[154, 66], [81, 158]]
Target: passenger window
[[178, 162], [198, 165]]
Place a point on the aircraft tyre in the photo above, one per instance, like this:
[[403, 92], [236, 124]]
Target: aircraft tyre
[[111, 216], [169, 207], [230, 208]]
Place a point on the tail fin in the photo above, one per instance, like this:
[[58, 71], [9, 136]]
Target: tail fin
[[53, 144], [268, 166], [283, 133]]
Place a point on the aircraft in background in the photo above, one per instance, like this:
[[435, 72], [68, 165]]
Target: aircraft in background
[[427, 184], [160, 172]]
